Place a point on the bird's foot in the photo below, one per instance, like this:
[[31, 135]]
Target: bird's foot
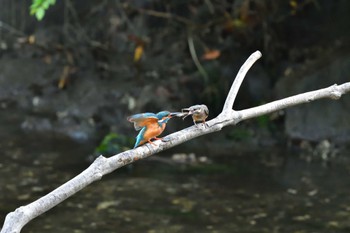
[[201, 125], [151, 142], [205, 124], [155, 138]]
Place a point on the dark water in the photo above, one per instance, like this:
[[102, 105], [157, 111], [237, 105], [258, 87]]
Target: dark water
[[272, 191]]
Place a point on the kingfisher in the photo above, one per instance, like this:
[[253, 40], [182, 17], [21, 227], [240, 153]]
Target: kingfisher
[[198, 112], [150, 124]]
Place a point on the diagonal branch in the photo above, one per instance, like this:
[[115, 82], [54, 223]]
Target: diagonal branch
[[15, 220]]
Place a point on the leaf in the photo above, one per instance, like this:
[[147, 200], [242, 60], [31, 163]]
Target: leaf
[[234, 25], [39, 14], [62, 83], [36, 4], [138, 53], [293, 4], [114, 143], [39, 7], [263, 121], [211, 54]]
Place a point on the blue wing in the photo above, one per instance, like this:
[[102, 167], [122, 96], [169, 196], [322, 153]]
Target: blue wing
[[139, 137], [142, 119]]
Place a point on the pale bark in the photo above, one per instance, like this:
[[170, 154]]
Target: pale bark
[[15, 220]]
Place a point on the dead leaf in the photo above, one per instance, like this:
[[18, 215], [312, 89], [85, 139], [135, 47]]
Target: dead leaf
[[211, 54], [31, 39], [138, 53], [70, 58], [64, 77]]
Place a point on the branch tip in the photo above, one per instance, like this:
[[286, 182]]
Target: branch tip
[[257, 54]]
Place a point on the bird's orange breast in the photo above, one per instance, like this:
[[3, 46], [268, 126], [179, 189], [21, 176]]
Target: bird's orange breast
[[152, 131]]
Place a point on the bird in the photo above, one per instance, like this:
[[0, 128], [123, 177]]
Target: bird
[[150, 125], [198, 112]]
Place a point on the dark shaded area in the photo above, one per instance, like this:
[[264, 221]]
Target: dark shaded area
[[71, 79], [87, 66]]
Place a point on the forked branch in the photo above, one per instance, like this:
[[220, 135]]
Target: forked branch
[[230, 99], [15, 221]]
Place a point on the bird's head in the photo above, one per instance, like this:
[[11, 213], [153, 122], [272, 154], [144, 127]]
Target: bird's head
[[201, 109], [163, 114]]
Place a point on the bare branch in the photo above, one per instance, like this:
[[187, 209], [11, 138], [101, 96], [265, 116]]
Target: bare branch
[[101, 166], [239, 79], [333, 92]]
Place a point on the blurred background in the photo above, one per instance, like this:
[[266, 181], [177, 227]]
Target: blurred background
[[71, 74]]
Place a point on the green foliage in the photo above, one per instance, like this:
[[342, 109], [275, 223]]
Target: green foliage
[[114, 143], [39, 7], [240, 134], [264, 121]]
